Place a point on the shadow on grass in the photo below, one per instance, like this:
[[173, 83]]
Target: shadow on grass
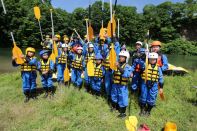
[[40, 90]]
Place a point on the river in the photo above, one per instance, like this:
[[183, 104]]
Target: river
[[187, 62]]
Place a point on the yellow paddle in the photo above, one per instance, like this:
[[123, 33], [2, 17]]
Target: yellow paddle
[[90, 68], [66, 74], [90, 32], [38, 16], [54, 53], [109, 33], [112, 58], [16, 52]]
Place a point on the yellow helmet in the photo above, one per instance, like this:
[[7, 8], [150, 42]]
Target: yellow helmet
[[66, 38], [30, 49], [58, 36], [170, 126], [85, 36]]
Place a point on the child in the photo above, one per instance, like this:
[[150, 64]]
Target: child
[[61, 61], [149, 85], [28, 73], [77, 67], [46, 68], [119, 92], [162, 59], [97, 79], [137, 56], [89, 56]]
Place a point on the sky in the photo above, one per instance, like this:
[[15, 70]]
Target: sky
[[70, 5]]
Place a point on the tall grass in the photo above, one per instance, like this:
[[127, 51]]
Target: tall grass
[[78, 110]]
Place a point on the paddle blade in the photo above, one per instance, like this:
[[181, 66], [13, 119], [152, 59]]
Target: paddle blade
[[90, 68], [66, 75], [37, 12], [16, 52], [52, 57], [102, 32], [55, 51], [90, 32], [112, 58], [109, 33]]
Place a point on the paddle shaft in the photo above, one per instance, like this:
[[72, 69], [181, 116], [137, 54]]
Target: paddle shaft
[[4, 10], [87, 30], [146, 67], [118, 28], [111, 20], [11, 33], [52, 23], [40, 30], [78, 35], [102, 12]]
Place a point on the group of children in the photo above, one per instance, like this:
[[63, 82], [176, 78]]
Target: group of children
[[75, 54]]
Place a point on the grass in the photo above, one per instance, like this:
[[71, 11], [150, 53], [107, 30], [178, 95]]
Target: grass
[[78, 110]]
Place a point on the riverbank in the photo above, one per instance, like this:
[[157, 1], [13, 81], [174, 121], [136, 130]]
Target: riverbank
[[77, 110]]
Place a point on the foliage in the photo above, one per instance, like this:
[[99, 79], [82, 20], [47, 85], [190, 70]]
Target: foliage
[[166, 22], [180, 47]]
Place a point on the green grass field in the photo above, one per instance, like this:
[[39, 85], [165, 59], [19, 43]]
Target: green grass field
[[78, 110]]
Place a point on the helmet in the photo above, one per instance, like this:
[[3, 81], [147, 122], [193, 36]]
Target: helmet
[[99, 57], [170, 127], [64, 45], [156, 43], [131, 123], [85, 36], [58, 36], [153, 55], [30, 49], [43, 52], [66, 38], [47, 36], [125, 54], [91, 45], [139, 42], [79, 48]]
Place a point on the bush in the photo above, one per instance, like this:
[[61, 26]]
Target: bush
[[180, 47]]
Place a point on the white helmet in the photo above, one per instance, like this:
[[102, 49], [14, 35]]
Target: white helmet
[[79, 48], [91, 46], [64, 45], [153, 55], [126, 54], [139, 42]]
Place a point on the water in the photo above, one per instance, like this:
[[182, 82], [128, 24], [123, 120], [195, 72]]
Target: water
[[187, 62], [6, 61]]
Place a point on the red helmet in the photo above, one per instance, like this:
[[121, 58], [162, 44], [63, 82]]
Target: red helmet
[[156, 43]]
